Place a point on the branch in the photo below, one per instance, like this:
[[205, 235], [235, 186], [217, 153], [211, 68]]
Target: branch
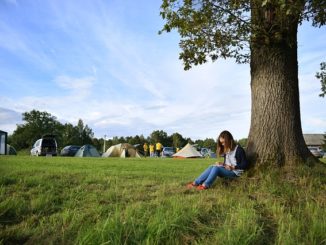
[[246, 22]]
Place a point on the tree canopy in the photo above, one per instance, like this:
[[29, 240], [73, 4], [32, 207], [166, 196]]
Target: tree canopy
[[213, 29], [39, 123], [36, 124]]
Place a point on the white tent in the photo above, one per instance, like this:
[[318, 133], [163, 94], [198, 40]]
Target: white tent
[[188, 151], [122, 150]]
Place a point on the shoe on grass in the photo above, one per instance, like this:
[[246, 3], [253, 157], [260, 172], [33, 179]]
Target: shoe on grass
[[201, 187], [191, 185]]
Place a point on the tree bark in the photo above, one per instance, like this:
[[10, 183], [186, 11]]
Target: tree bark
[[275, 135]]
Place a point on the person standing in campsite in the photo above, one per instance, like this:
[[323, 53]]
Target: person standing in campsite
[[235, 162], [145, 147], [158, 149], [151, 150]]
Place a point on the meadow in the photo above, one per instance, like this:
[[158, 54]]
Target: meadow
[[56, 200]]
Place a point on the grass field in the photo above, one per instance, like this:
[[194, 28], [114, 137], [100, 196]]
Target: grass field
[[144, 201]]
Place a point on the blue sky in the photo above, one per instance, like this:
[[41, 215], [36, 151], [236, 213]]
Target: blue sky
[[104, 62]]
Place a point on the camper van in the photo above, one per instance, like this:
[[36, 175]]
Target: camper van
[[46, 146]]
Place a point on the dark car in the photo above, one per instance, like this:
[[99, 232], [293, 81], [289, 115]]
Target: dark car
[[46, 146], [69, 150]]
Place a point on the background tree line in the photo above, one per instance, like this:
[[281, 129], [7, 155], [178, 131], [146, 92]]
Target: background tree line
[[37, 123]]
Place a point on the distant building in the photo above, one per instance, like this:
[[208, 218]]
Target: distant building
[[314, 139]]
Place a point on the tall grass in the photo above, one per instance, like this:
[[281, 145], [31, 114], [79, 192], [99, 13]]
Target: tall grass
[[144, 201]]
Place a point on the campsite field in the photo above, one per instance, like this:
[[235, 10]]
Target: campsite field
[[143, 201]]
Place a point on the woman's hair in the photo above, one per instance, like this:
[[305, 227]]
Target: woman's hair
[[229, 143]]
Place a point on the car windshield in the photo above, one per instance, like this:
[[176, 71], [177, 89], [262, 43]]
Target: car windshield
[[313, 148], [168, 148]]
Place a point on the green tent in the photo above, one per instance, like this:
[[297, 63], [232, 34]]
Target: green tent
[[87, 151]]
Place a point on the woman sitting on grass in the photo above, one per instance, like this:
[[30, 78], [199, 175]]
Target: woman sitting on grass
[[235, 162]]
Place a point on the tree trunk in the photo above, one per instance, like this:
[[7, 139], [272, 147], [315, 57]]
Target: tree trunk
[[275, 135]]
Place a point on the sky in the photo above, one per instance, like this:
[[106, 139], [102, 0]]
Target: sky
[[104, 62]]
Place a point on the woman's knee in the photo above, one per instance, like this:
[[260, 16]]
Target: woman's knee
[[218, 171]]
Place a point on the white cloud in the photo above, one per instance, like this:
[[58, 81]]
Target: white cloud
[[317, 122], [9, 119], [21, 45], [71, 83], [9, 116]]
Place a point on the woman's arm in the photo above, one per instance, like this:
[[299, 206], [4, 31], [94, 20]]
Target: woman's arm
[[240, 156]]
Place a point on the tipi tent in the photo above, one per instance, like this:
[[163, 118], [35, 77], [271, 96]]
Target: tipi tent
[[188, 151], [122, 150], [87, 151]]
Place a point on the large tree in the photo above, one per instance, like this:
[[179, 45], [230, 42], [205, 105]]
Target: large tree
[[263, 33], [36, 124], [177, 140], [159, 136], [85, 133]]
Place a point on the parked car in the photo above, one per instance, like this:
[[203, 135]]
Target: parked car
[[315, 151], [46, 146], [69, 150], [167, 152], [206, 152], [323, 153]]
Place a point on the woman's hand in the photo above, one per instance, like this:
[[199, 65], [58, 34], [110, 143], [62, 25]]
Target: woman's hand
[[228, 167]]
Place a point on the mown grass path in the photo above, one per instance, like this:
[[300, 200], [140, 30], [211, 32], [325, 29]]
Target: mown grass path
[[144, 201]]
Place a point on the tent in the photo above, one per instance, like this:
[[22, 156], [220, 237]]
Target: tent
[[188, 151], [11, 150], [122, 150], [87, 151]]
